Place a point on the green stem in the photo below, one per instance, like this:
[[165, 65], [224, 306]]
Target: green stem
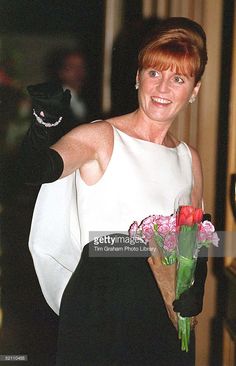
[[185, 275]]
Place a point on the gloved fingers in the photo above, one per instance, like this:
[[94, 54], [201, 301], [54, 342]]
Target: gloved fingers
[[178, 305], [44, 90], [188, 313], [49, 95], [187, 307], [49, 102], [56, 104], [206, 216], [58, 97]]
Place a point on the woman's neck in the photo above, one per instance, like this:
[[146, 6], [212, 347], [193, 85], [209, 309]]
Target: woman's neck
[[136, 125], [148, 129]]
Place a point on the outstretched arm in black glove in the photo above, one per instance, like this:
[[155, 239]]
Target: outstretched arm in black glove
[[51, 120]]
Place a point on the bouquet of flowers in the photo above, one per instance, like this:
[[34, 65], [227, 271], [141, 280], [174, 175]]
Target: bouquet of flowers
[[178, 239]]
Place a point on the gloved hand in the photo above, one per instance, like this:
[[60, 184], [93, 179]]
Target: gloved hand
[[37, 163], [190, 302], [50, 103]]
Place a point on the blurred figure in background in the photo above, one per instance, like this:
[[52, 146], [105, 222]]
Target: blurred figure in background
[[69, 68]]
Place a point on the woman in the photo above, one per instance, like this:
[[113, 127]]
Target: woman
[[114, 172]]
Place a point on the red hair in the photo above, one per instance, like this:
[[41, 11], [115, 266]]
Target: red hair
[[179, 44]]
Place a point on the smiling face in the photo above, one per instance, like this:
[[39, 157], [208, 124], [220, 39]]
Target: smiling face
[[163, 94], [170, 66]]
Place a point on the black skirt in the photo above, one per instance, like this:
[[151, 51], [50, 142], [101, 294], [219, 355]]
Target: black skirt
[[112, 314]]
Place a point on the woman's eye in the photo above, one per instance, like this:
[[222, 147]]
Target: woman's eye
[[154, 73], [178, 79]]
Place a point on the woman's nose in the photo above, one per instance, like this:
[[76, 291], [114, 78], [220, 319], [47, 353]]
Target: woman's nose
[[163, 85]]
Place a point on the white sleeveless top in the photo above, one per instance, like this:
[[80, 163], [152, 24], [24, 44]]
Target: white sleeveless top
[[142, 178]]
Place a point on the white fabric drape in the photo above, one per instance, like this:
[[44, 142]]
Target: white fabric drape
[[55, 238]]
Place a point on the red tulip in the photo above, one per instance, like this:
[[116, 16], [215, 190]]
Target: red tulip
[[188, 215], [198, 215], [185, 216]]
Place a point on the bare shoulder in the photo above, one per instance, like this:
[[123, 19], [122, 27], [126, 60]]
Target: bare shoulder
[[101, 129], [195, 157], [91, 142], [196, 160]]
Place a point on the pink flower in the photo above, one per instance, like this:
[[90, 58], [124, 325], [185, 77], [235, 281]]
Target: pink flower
[[163, 229], [147, 226], [133, 229], [170, 242], [157, 217], [215, 239], [166, 224], [202, 236], [206, 233], [172, 223], [148, 220], [147, 231], [207, 226]]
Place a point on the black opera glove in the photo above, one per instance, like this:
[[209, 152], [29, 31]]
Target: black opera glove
[[50, 103], [190, 302], [38, 163], [52, 115]]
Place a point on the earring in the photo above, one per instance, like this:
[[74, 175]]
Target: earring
[[137, 85], [192, 99]]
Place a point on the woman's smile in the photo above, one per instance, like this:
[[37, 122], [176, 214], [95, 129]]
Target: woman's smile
[[161, 101]]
